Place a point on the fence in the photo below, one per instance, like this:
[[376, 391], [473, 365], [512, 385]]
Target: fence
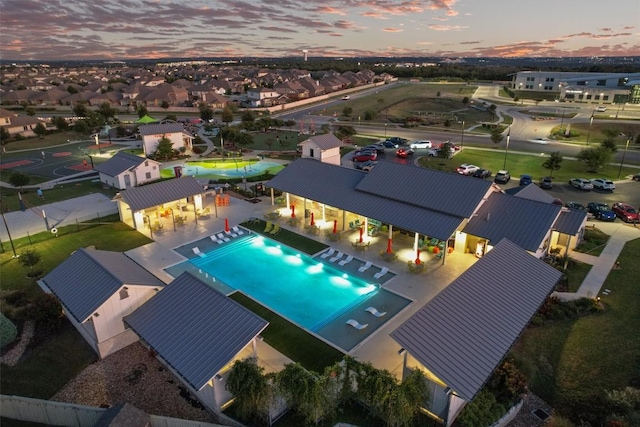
[[72, 415]]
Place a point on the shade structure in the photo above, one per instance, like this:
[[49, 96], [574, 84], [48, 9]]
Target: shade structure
[[313, 222], [293, 211], [418, 257], [145, 120], [335, 226], [226, 225], [361, 232], [389, 246]]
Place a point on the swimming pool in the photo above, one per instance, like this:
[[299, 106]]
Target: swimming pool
[[201, 169], [298, 287]]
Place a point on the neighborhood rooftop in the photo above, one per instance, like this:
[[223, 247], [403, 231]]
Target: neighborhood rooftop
[[146, 196], [120, 162]]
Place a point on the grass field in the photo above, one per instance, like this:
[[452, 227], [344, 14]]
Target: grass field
[[597, 133]]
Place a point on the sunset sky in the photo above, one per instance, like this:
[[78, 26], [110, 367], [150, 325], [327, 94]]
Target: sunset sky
[[127, 29]]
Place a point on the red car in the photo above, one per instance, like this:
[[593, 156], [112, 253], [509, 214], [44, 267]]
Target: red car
[[363, 157], [403, 153], [625, 212]]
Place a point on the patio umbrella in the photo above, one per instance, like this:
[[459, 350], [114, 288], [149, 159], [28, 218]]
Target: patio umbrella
[[335, 226], [361, 231], [226, 225], [313, 222], [418, 258], [389, 245], [293, 211]]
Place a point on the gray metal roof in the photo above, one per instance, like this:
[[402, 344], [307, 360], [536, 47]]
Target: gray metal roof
[[532, 192], [146, 196], [194, 328], [161, 128], [446, 192], [120, 162], [336, 186], [465, 331], [524, 222], [85, 280], [570, 221], [325, 141]]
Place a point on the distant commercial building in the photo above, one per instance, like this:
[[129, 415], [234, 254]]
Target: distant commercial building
[[590, 88]]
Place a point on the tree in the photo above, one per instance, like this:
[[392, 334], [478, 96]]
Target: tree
[[141, 110], [19, 179], [164, 149], [80, 110], [206, 113], [346, 111], [4, 135], [553, 162], [438, 94], [496, 135], [60, 123], [369, 115], [250, 389], [121, 131], [72, 89], [30, 111], [165, 105], [465, 101], [609, 144], [107, 111], [40, 130], [247, 116], [227, 115], [445, 151], [29, 259], [492, 109], [595, 157]]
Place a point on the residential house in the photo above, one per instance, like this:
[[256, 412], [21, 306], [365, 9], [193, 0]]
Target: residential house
[[175, 132], [96, 290], [125, 170], [262, 97], [18, 125], [325, 148]]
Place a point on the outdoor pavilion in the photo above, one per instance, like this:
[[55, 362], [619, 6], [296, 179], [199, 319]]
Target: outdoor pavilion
[[421, 201]]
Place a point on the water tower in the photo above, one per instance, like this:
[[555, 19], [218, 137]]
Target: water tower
[[305, 52]]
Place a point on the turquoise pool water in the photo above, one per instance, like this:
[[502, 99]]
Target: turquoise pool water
[[298, 287], [253, 169]]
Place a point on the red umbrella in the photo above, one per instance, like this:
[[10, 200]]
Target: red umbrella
[[335, 226], [293, 211], [361, 231], [418, 258], [389, 245], [313, 222], [226, 225]]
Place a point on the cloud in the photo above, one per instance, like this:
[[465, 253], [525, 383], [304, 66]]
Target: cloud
[[392, 30], [446, 27], [331, 10]]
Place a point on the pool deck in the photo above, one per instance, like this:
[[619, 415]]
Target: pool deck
[[378, 347]]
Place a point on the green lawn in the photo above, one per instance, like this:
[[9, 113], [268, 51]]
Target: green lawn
[[594, 242], [518, 164], [571, 363], [576, 273], [580, 132]]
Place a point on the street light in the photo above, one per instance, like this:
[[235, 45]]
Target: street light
[[589, 132], [462, 137], [506, 150], [15, 255], [98, 144], [623, 154], [385, 130]]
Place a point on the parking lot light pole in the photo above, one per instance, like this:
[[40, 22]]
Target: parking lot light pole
[[589, 132], [462, 136], [506, 150], [385, 130], [623, 154]]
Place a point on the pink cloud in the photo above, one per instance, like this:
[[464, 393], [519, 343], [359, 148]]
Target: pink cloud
[[392, 30], [446, 27]]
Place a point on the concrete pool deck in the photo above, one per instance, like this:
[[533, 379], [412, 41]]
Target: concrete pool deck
[[378, 347]]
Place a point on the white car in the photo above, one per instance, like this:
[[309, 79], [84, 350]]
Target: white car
[[421, 144], [467, 169], [603, 184], [601, 109], [581, 183], [346, 98]]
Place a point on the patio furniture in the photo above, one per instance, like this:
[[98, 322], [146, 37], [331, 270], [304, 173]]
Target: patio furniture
[[365, 267], [382, 272], [215, 239], [230, 233], [346, 260], [196, 251], [375, 311], [237, 230], [356, 325], [328, 253], [337, 257], [222, 237], [268, 227], [275, 230]]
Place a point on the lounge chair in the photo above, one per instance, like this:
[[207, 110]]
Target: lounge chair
[[365, 267], [196, 251], [346, 260], [276, 229], [214, 238], [356, 324], [375, 312], [328, 253], [337, 257], [382, 272], [222, 237], [237, 230], [230, 233], [268, 227]]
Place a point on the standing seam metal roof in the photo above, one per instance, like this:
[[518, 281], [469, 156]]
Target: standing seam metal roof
[[161, 128], [85, 280], [465, 331], [570, 221], [146, 196], [194, 328], [119, 163], [336, 186], [325, 141], [523, 221]]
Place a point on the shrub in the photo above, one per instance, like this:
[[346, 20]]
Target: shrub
[[482, 411], [47, 311], [8, 331]]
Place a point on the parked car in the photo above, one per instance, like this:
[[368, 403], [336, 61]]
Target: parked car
[[346, 98], [403, 153], [421, 144], [363, 157], [581, 183], [636, 177], [601, 109], [525, 179], [379, 147], [389, 144], [626, 212], [576, 205], [482, 173], [601, 211], [603, 184], [546, 183], [467, 169], [502, 177], [398, 141], [365, 166]]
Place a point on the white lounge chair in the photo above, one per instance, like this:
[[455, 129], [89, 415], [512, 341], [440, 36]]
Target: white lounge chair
[[365, 267], [230, 233], [356, 324], [328, 253], [222, 237], [382, 272], [215, 239], [375, 312], [196, 251], [237, 230], [337, 257], [346, 260]]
